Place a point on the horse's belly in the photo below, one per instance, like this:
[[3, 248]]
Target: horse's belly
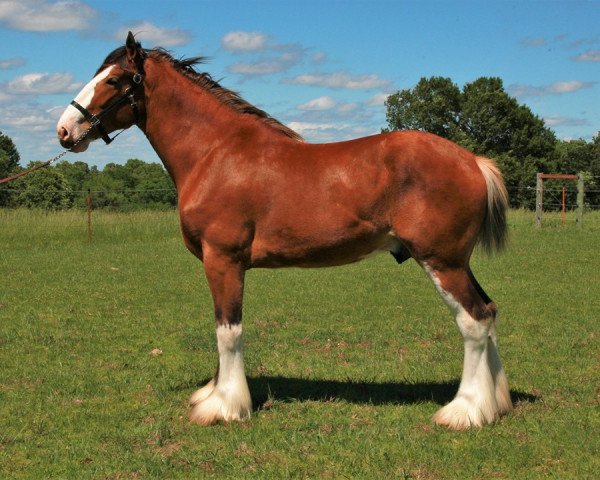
[[308, 253]]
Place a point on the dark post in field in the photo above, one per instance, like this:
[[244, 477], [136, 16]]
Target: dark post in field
[[89, 215], [580, 193]]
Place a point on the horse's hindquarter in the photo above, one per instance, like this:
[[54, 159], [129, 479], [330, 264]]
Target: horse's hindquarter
[[440, 195]]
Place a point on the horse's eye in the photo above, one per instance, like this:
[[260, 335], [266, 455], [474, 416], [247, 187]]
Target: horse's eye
[[112, 81]]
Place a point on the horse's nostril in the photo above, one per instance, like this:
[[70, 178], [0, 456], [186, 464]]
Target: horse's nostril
[[63, 134], [64, 137]]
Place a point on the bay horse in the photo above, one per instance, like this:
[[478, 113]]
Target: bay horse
[[253, 194]]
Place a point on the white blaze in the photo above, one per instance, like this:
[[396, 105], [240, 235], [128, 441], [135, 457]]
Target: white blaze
[[71, 117]]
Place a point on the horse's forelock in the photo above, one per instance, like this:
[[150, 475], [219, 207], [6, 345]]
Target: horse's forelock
[[116, 57]]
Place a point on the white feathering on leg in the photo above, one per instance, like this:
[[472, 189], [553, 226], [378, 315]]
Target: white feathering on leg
[[483, 394], [229, 399]]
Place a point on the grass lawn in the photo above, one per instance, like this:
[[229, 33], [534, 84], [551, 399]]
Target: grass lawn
[[102, 343]]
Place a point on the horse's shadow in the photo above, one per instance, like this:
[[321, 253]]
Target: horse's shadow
[[286, 389]]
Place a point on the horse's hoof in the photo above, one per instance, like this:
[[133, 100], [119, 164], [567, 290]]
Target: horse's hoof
[[217, 407], [462, 413]]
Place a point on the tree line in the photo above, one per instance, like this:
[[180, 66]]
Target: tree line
[[481, 116], [485, 119], [136, 185]]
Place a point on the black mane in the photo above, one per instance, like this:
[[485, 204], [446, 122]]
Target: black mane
[[186, 67]]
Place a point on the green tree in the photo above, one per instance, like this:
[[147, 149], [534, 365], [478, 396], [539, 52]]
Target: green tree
[[136, 185], [107, 190], [78, 176], [154, 188], [9, 165], [142, 185], [494, 123], [433, 105], [46, 189]]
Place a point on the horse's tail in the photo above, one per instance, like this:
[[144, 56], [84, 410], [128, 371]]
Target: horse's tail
[[493, 232]]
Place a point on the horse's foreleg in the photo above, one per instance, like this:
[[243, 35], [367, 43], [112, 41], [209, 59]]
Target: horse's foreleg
[[226, 397], [483, 394]]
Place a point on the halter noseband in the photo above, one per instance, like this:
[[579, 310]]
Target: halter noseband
[[96, 120]]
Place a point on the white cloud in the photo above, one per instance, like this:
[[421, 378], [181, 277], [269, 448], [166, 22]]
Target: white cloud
[[5, 97], [27, 118], [10, 63], [583, 41], [318, 57], [562, 41], [320, 103], [346, 108], [42, 84], [520, 90], [558, 88], [533, 42], [262, 67], [329, 132], [567, 87], [339, 80], [558, 121], [244, 42], [589, 56], [45, 16], [279, 59], [147, 32], [269, 57], [303, 127], [325, 119], [377, 100]]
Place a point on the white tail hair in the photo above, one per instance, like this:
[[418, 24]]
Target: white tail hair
[[493, 233]]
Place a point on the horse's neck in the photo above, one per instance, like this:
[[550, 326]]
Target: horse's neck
[[184, 122]]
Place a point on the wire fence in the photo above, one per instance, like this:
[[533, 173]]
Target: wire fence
[[129, 199], [552, 195], [106, 224]]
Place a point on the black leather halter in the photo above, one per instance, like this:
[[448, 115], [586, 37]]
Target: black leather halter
[[96, 120]]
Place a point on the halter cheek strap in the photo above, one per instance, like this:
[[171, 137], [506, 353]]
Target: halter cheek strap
[[96, 120]]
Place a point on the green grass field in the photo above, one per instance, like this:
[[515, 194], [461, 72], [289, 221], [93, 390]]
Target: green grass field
[[346, 365]]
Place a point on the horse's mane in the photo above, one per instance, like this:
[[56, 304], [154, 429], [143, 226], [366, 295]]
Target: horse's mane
[[186, 67]]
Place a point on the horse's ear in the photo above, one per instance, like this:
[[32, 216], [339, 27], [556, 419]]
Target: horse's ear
[[135, 57]]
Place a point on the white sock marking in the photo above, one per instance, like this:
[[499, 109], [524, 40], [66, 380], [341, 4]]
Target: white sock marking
[[483, 391]]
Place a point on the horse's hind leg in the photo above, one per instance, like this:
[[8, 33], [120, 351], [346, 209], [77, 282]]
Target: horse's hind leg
[[483, 394]]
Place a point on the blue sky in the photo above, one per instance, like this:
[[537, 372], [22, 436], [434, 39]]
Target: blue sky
[[322, 67]]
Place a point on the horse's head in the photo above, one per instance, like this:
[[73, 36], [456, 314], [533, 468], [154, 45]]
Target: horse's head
[[112, 100]]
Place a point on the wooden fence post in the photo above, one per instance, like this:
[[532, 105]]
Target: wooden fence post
[[563, 206], [89, 212], [539, 195], [580, 194]]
